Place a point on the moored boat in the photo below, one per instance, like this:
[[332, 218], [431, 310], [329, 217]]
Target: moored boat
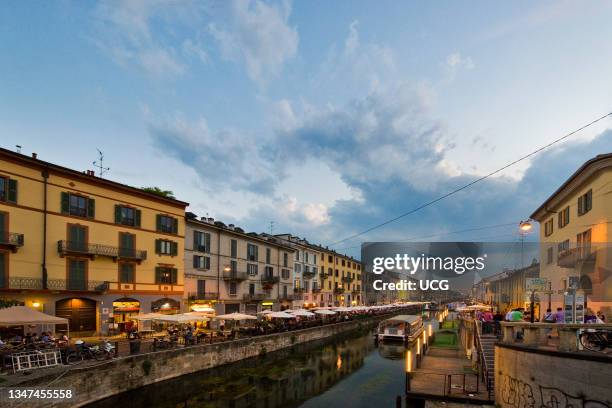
[[405, 328]]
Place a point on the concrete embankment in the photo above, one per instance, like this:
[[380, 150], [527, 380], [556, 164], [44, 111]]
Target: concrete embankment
[[115, 376]]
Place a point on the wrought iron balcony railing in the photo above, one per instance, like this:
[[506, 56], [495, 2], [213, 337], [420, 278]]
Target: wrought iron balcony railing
[[323, 275], [80, 285], [309, 274], [347, 279], [254, 296], [269, 279], [316, 289], [569, 258], [339, 290], [202, 296], [235, 276], [299, 290], [12, 240], [81, 248]]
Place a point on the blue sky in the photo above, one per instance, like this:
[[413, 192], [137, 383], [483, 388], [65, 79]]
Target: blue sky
[[324, 117]]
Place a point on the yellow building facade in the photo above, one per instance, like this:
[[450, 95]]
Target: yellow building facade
[[575, 224], [341, 279], [86, 248]]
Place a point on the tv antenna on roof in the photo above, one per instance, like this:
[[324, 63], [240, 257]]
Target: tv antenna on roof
[[271, 227], [100, 163]]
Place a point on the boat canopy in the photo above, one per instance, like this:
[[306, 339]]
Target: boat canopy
[[404, 318]]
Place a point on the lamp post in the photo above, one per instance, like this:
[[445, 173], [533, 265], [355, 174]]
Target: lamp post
[[524, 228]]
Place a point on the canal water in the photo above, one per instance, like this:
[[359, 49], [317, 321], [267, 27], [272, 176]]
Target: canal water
[[346, 371]]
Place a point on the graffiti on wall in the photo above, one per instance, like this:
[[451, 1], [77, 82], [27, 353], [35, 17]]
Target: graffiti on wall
[[516, 393]]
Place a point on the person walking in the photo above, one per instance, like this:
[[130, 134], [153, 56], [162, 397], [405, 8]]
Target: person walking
[[559, 315]]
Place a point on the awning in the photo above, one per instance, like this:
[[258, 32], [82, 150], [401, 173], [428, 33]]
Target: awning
[[20, 315]]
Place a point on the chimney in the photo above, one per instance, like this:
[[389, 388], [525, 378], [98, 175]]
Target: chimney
[[34, 156]]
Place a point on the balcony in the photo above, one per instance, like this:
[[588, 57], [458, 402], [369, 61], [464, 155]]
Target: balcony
[[299, 290], [253, 296], [316, 289], [355, 291], [339, 290], [290, 297], [269, 279], [11, 240], [79, 285], [309, 274], [79, 248], [571, 257], [235, 276], [347, 279], [323, 275], [202, 296]]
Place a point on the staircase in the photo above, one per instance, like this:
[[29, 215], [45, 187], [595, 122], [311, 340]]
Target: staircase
[[485, 345]]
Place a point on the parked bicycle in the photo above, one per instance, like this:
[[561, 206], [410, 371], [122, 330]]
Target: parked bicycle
[[599, 340], [83, 351]]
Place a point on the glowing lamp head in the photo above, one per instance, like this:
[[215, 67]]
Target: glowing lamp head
[[36, 303], [525, 226]]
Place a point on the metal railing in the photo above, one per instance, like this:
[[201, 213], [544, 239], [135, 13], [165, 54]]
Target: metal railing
[[202, 296], [347, 279], [269, 279], [309, 274], [70, 247], [324, 275], [16, 282], [235, 276], [12, 239], [254, 296], [339, 290]]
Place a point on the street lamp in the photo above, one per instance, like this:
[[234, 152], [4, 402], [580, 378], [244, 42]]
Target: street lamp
[[524, 228]]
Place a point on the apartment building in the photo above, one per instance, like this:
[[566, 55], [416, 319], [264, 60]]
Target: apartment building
[[306, 284], [86, 248], [234, 271], [575, 234], [343, 283]]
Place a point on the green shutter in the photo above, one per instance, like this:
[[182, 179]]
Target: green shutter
[[91, 208], [65, 203], [158, 222], [158, 246], [174, 274], [117, 214], [137, 218], [173, 248], [195, 261], [175, 225], [207, 242], [12, 191]]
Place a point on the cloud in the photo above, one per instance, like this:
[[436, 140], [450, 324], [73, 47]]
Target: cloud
[[225, 159], [259, 35], [455, 62], [124, 31]]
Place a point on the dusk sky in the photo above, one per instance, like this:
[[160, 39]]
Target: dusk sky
[[324, 117]]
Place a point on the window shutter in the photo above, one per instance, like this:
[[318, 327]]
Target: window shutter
[[12, 191], [195, 261], [117, 214], [158, 222], [158, 246], [65, 203], [91, 208], [175, 226], [173, 248], [559, 217], [157, 274], [207, 263], [207, 243], [174, 275], [196, 244], [137, 218]]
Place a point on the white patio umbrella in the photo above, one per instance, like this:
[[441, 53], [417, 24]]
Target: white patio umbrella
[[181, 318], [342, 309], [325, 312], [202, 309], [146, 316], [281, 315], [301, 312], [235, 316], [265, 312]]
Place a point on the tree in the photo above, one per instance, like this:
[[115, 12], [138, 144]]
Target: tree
[[158, 191]]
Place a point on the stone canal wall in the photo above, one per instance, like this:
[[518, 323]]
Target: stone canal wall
[[115, 376], [533, 378]]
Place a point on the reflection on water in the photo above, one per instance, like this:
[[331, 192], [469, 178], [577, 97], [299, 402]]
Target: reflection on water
[[344, 371]]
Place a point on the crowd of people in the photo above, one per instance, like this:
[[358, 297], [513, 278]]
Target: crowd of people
[[521, 315]]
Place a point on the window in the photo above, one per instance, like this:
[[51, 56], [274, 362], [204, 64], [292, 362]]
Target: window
[[583, 243], [549, 255], [269, 271], [563, 246], [285, 273], [8, 190], [77, 205], [306, 256], [166, 275], [564, 217], [232, 288], [285, 260], [234, 248], [252, 269], [127, 272], [201, 287], [234, 266], [168, 224], [343, 263], [77, 274], [127, 245], [77, 238], [297, 255], [306, 269], [251, 252], [296, 283], [358, 267], [165, 247], [201, 262], [127, 216], [268, 256], [297, 267], [314, 261], [548, 227], [3, 271], [330, 259], [585, 202], [201, 241], [336, 273]]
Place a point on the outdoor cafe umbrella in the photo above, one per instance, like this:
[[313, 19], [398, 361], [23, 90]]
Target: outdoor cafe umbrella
[[301, 312], [181, 318], [236, 316], [23, 315], [265, 312], [146, 316], [281, 315], [324, 312], [342, 309]]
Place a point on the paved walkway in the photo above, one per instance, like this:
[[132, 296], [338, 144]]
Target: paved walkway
[[432, 378]]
